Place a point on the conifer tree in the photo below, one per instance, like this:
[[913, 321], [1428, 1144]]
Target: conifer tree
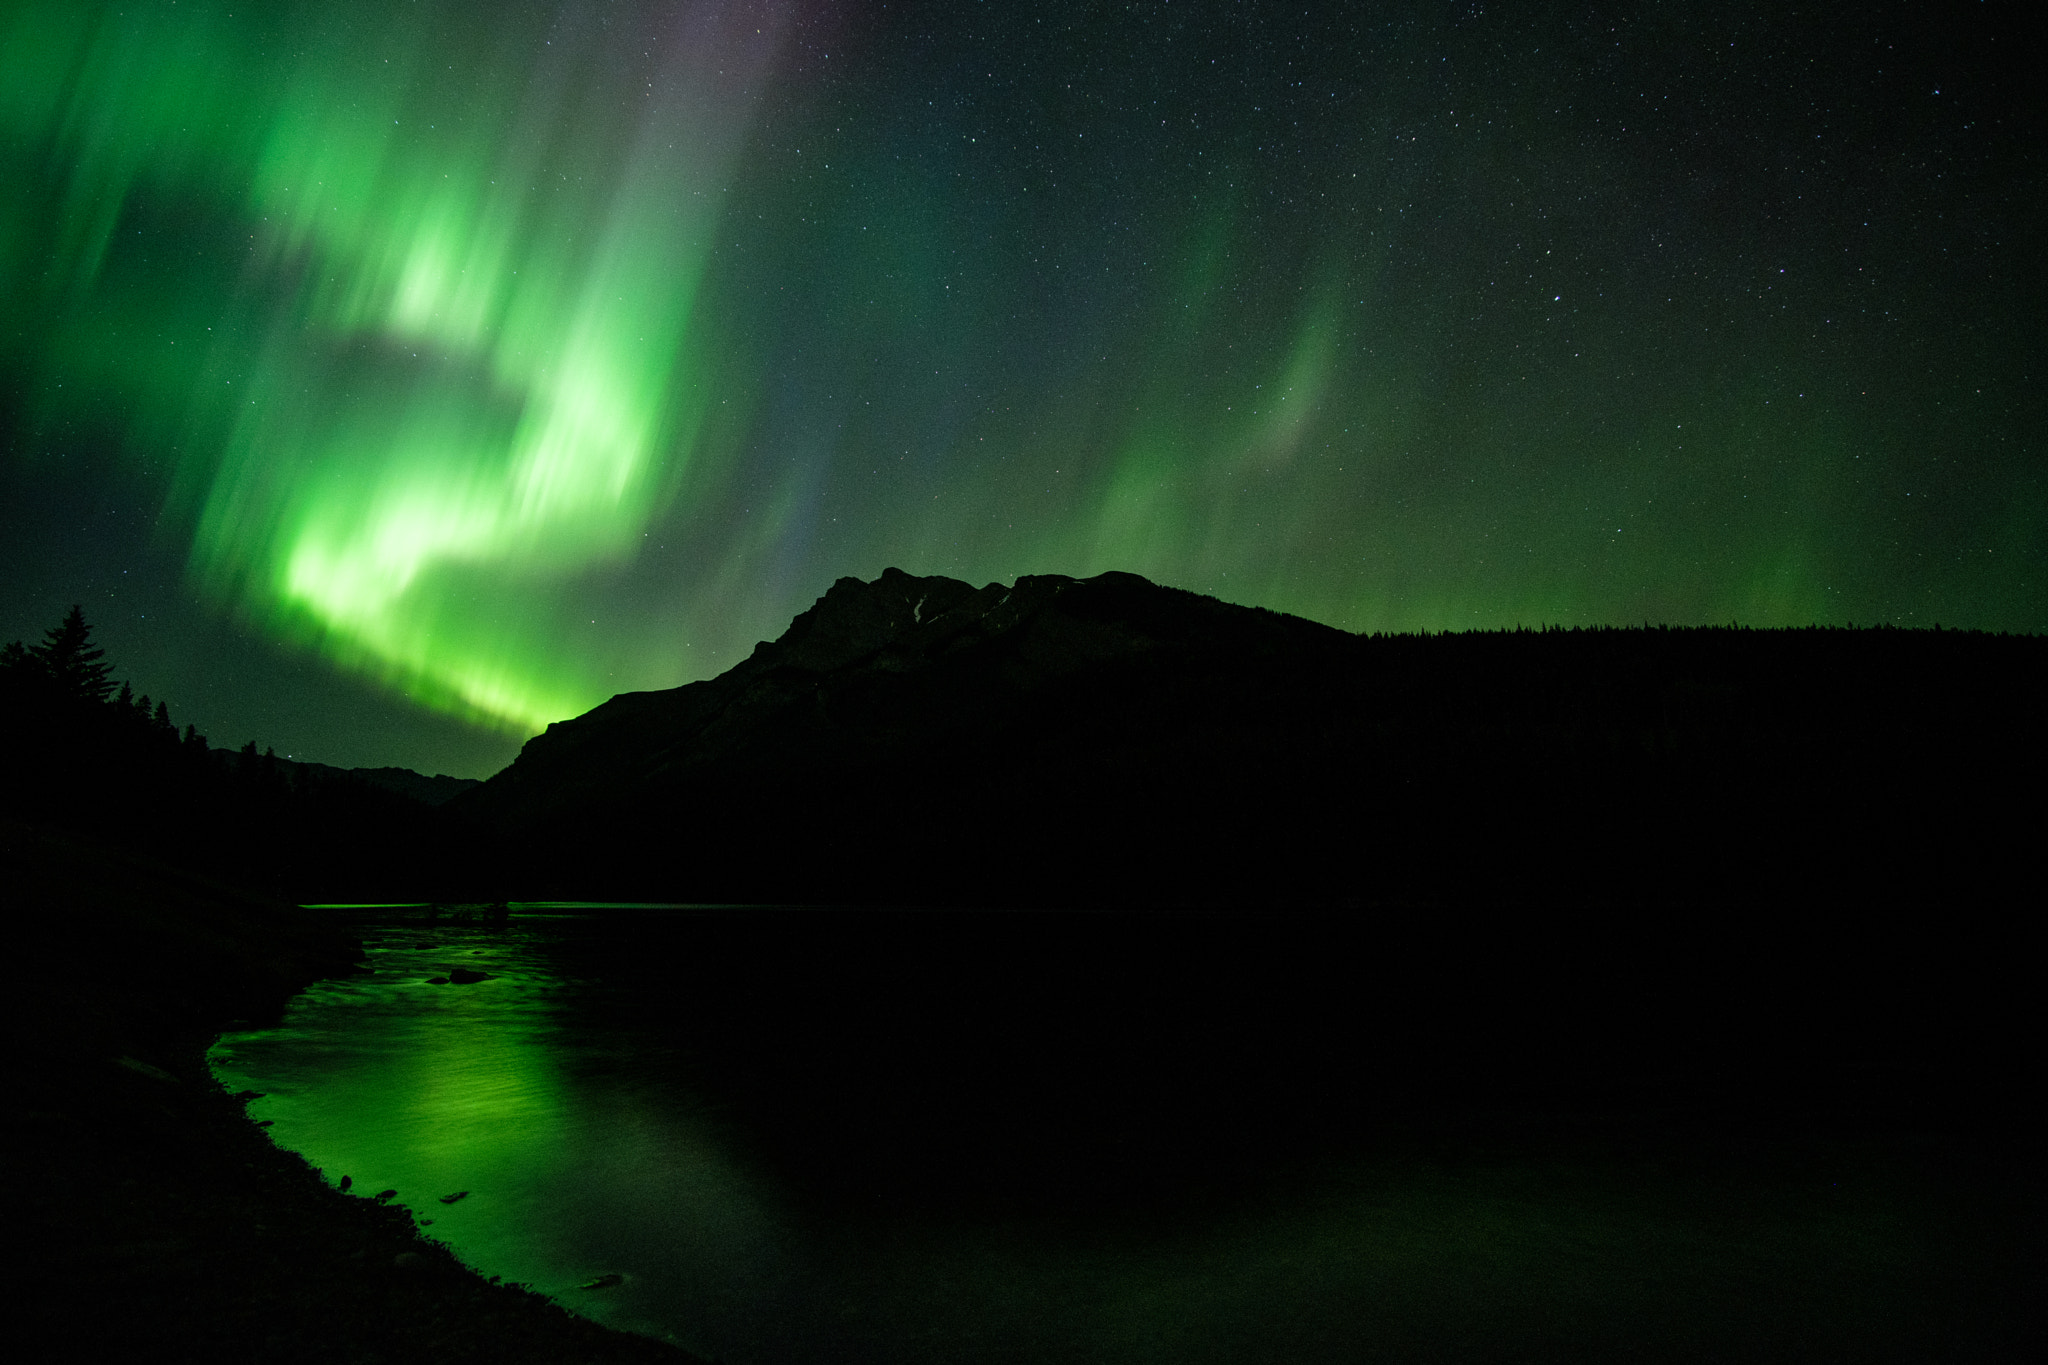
[[71, 660]]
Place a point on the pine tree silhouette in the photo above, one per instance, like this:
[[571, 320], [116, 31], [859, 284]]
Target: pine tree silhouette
[[71, 660]]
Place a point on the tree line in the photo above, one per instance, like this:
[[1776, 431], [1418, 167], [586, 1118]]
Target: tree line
[[91, 755]]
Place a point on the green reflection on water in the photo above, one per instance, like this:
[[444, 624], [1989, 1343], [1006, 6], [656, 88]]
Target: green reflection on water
[[583, 1158], [570, 1171]]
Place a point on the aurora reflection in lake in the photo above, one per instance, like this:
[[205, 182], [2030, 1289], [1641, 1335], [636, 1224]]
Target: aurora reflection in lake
[[591, 1113]]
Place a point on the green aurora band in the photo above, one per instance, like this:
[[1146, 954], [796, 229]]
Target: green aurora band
[[518, 355], [455, 380]]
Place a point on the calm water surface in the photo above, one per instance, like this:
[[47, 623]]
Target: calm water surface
[[588, 1111]]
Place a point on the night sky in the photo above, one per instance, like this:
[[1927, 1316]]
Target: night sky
[[390, 379]]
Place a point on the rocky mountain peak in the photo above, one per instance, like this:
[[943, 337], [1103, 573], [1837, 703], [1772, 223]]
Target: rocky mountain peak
[[854, 619]]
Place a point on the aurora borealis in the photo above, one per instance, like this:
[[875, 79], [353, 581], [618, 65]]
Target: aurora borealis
[[391, 379]]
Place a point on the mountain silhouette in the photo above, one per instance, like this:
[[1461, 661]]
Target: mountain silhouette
[[1112, 741], [429, 791]]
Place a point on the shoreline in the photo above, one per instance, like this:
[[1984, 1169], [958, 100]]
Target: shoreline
[[159, 1221]]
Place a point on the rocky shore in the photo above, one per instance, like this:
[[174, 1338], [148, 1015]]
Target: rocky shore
[[155, 1220]]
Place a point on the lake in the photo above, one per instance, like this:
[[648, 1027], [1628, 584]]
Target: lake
[[805, 1136]]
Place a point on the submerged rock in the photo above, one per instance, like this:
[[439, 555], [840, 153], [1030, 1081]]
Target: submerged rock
[[464, 976], [452, 1198], [603, 1281]]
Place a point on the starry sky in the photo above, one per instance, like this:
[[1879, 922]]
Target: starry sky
[[391, 378]]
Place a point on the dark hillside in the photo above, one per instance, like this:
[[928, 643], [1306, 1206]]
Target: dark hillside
[[1108, 741], [114, 768], [437, 790]]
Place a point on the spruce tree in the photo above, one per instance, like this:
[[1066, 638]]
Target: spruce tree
[[71, 660]]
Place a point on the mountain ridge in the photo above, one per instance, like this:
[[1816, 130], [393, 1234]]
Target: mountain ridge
[[428, 789], [897, 625], [1062, 740]]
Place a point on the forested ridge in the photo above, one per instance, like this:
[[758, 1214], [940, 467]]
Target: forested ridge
[[89, 755]]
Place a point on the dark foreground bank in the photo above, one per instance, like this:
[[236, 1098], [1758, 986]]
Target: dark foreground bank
[[156, 1222]]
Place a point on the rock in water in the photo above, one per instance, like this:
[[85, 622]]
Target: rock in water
[[603, 1281], [451, 1198]]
